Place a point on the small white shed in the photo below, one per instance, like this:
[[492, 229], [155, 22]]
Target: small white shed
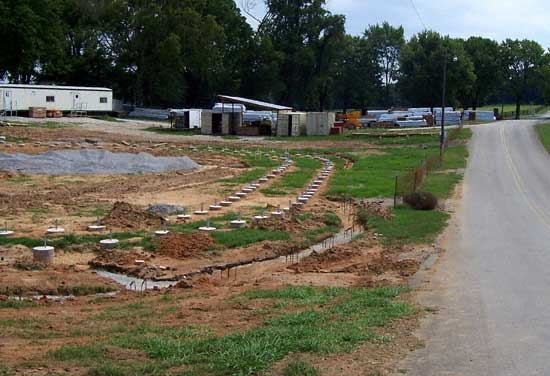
[[291, 124], [187, 118], [15, 97], [320, 123]]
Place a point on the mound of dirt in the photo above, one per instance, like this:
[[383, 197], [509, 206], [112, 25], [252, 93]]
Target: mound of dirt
[[119, 257], [376, 208], [310, 221], [125, 216], [316, 262], [182, 246]]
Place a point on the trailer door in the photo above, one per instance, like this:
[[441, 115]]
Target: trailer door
[[7, 100], [76, 101]]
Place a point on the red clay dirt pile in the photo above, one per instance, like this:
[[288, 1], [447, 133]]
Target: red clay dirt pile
[[126, 216], [182, 246]]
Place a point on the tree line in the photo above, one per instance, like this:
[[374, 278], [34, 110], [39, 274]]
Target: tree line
[[173, 53]]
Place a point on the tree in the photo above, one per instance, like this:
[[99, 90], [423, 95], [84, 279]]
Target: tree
[[485, 56], [522, 60], [309, 39], [359, 78], [32, 33], [422, 61], [170, 85], [387, 42]]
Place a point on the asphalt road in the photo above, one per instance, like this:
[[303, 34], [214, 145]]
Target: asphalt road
[[492, 285]]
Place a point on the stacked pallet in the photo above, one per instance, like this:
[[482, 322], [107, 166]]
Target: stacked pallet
[[37, 112], [472, 115], [451, 117]]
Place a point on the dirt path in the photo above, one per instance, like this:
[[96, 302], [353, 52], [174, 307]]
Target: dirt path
[[490, 288]]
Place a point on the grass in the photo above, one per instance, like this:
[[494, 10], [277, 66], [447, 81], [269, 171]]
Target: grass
[[409, 226], [299, 369], [508, 107], [176, 132], [441, 184], [44, 124], [543, 132], [247, 176], [315, 320], [108, 118], [374, 175], [65, 241], [292, 181], [244, 236], [17, 304]]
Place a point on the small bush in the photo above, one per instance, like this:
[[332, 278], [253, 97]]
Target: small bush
[[363, 218], [421, 201]]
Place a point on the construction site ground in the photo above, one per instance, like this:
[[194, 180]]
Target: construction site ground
[[42, 335]]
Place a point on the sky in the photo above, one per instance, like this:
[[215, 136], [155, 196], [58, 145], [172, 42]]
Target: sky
[[495, 19]]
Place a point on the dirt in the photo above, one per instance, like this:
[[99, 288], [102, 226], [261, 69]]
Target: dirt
[[128, 217], [182, 246], [376, 208], [30, 202], [364, 258]]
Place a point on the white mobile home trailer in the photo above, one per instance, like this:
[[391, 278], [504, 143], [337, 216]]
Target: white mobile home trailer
[[15, 97]]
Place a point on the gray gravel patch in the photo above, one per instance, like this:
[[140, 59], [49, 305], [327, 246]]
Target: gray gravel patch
[[92, 162], [165, 209]]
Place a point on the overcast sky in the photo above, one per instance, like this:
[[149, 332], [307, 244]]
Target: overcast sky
[[496, 19]]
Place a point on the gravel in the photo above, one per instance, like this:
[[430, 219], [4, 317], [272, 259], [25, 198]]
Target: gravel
[[92, 162], [165, 209]]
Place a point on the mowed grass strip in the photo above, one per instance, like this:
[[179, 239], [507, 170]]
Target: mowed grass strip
[[409, 226], [543, 132], [441, 184], [290, 182], [374, 175], [324, 320]]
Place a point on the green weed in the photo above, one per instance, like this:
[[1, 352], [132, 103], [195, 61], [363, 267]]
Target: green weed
[[409, 226]]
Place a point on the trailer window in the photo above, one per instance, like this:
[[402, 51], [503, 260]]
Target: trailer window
[[50, 99], [103, 100]]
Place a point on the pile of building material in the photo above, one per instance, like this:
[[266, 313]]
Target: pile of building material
[[149, 113], [473, 115], [451, 117]]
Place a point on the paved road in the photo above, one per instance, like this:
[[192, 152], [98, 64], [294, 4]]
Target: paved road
[[492, 286]]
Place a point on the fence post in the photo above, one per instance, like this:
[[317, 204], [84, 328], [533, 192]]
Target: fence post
[[395, 193]]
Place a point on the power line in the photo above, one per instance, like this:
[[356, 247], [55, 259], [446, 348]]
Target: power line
[[418, 14]]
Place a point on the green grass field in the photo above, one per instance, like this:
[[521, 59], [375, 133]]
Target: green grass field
[[409, 226], [543, 132], [299, 319], [291, 182]]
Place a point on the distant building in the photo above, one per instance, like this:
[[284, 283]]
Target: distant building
[[21, 98]]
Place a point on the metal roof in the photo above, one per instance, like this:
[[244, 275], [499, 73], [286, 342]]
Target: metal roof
[[254, 104], [53, 87]]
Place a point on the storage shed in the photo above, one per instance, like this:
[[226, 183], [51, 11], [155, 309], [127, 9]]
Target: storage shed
[[291, 124], [186, 118], [227, 117], [15, 97], [220, 123], [320, 123]]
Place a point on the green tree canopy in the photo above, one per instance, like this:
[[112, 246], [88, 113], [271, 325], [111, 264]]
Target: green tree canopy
[[422, 61]]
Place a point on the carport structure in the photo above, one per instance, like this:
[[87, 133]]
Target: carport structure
[[229, 102]]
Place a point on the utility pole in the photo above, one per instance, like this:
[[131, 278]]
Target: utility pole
[[442, 138], [442, 133]]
